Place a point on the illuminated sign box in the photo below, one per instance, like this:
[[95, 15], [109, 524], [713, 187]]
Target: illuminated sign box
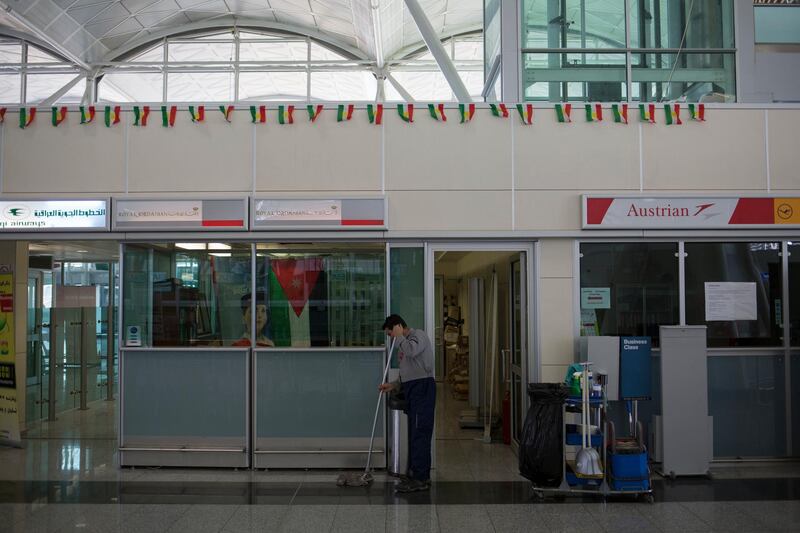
[[316, 213], [53, 215], [180, 215]]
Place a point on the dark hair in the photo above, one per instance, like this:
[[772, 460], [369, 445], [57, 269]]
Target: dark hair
[[261, 299], [393, 320]]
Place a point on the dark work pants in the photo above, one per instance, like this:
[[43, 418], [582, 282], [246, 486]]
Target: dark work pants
[[421, 397]]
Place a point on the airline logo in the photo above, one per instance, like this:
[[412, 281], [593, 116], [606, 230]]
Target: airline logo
[[688, 212]]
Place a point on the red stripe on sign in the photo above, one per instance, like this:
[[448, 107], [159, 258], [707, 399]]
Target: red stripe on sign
[[223, 223], [753, 211], [596, 209], [362, 222]]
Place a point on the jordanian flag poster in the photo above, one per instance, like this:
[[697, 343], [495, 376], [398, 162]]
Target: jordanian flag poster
[[298, 297]]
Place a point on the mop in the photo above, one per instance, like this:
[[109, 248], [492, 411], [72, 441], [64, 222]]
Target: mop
[[587, 462], [355, 479]]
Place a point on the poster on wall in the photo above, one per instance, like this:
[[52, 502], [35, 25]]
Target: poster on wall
[[730, 301], [9, 416], [595, 298]]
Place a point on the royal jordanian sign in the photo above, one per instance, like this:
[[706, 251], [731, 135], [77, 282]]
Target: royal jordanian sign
[[689, 212], [48, 215]]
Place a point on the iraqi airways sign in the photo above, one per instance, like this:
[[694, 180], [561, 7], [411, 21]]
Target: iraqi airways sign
[[49, 215], [683, 212]]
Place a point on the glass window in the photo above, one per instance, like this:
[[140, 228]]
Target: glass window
[[794, 296], [573, 24], [41, 86], [628, 288], [777, 24], [322, 297], [200, 86], [284, 85], [755, 263], [662, 23], [10, 52], [10, 88], [187, 294], [131, 87], [340, 86]]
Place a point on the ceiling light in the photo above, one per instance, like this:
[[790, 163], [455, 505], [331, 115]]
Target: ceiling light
[[220, 254], [191, 245], [218, 246], [81, 251]]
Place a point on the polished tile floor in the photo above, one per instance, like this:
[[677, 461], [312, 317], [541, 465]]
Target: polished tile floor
[[67, 478]]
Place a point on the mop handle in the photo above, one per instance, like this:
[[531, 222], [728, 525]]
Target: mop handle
[[378, 407]]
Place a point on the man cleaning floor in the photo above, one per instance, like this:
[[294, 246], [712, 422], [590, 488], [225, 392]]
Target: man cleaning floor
[[415, 353]]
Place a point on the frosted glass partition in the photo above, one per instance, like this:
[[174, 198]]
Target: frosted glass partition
[[184, 407], [314, 407]]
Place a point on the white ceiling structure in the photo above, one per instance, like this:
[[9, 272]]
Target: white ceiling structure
[[88, 32]]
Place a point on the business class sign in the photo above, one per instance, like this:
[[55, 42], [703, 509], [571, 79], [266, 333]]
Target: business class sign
[[683, 212], [49, 215]]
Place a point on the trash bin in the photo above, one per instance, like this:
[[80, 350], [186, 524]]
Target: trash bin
[[541, 447], [398, 434]]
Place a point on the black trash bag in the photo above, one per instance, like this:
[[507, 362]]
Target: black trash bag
[[540, 454]]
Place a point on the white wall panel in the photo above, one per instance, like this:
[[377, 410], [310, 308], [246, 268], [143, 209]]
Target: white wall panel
[[556, 333], [784, 149], [307, 156], [578, 155], [548, 210], [555, 260], [71, 158], [213, 156], [449, 210], [725, 153], [447, 155]]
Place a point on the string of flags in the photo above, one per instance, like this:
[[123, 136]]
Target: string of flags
[[345, 112]]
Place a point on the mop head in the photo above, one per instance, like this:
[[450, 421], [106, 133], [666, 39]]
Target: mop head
[[354, 479]]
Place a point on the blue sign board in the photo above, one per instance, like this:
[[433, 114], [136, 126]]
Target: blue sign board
[[634, 368]]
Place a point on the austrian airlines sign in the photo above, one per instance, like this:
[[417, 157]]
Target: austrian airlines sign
[[700, 212]]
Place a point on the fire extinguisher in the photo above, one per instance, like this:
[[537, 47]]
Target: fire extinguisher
[[507, 418]]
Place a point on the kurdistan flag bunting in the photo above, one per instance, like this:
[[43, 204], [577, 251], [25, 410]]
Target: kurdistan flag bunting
[[647, 113], [59, 114], [437, 112], [87, 114], [313, 112], [620, 113], [525, 113], [140, 115], [198, 113], [406, 112], [697, 112], [672, 114], [594, 113], [345, 112], [3, 114], [26, 116], [112, 115], [168, 116], [467, 111], [226, 111], [499, 110], [258, 114], [285, 114], [375, 113], [564, 112]]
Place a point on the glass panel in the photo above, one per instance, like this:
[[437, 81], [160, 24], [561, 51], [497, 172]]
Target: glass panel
[[591, 77], [283, 85], [10, 52], [131, 87], [795, 399], [37, 55], [757, 263], [154, 55], [343, 86], [516, 324], [407, 287], [794, 299], [695, 78], [634, 287], [428, 85], [746, 397], [322, 53], [41, 86], [662, 23], [200, 86], [176, 296], [274, 51], [168, 400], [777, 24], [325, 298], [573, 24], [201, 51], [10, 88], [491, 33]]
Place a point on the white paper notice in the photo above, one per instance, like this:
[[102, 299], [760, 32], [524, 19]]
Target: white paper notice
[[730, 301]]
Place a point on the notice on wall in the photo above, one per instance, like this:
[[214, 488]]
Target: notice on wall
[[730, 301], [589, 327], [9, 416], [595, 298]]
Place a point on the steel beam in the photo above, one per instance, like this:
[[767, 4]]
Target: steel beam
[[437, 50], [53, 98]]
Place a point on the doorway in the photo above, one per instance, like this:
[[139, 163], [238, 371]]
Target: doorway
[[479, 310]]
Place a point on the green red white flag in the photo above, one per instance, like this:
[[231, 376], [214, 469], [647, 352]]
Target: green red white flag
[[564, 112], [375, 113], [258, 114], [647, 113], [467, 111], [198, 113], [672, 114], [594, 113], [314, 111], [87, 114], [437, 112], [227, 111], [26, 116], [525, 113], [168, 116], [697, 112], [286, 114], [499, 110], [620, 113], [140, 115], [406, 112], [59, 114], [345, 112], [112, 115]]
